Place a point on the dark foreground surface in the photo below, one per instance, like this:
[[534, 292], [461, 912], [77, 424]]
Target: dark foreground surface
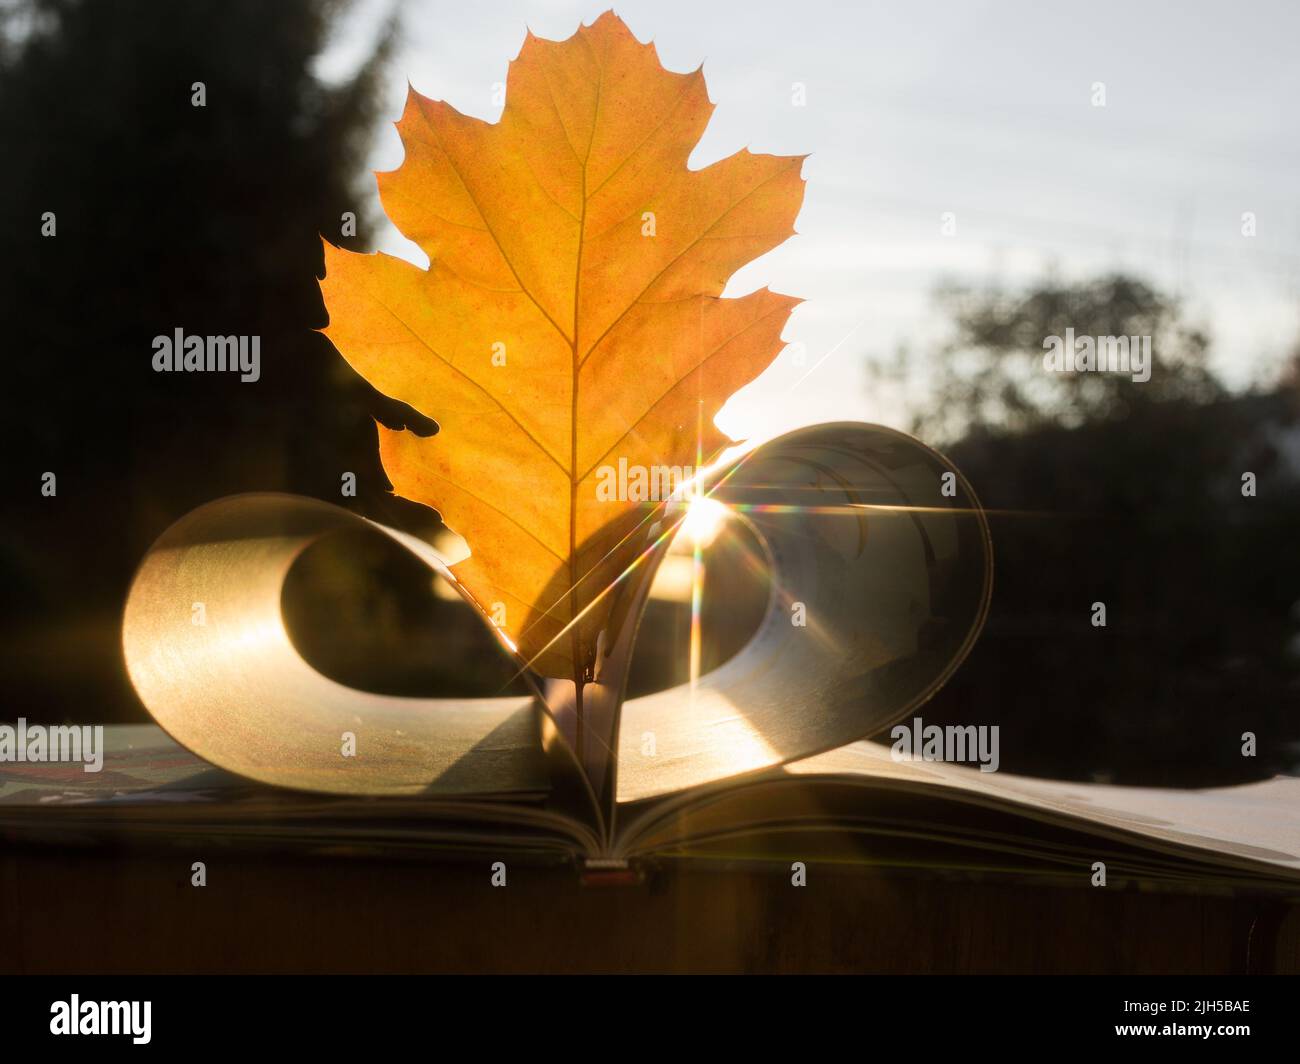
[[97, 912]]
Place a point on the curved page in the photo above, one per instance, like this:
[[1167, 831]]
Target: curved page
[[235, 691], [881, 574]]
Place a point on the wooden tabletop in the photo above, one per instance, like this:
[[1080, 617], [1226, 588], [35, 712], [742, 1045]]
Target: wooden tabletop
[[108, 912]]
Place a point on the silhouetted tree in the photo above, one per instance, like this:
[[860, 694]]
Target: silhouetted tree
[[1102, 489], [164, 215], [989, 374]]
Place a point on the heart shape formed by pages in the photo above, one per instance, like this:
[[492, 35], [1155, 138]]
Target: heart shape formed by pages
[[880, 576]]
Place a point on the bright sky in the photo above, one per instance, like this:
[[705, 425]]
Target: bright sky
[[914, 109]]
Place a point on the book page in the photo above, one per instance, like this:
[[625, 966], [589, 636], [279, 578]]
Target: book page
[[1254, 821], [880, 572], [144, 789], [235, 691]]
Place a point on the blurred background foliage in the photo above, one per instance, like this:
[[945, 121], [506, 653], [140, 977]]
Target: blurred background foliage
[[209, 219], [1103, 489], [168, 215]]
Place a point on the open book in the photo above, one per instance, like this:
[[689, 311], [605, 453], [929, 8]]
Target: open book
[[879, 576]]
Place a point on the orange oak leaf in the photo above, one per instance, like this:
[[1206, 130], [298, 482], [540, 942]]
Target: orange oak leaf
[[570, 318]]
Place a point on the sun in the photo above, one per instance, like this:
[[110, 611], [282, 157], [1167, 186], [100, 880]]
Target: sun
[[704, 520]]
